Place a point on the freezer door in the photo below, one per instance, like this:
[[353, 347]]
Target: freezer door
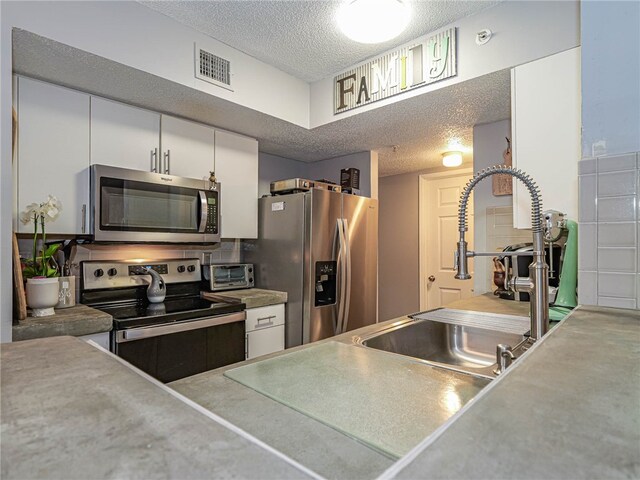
[[361, 218], [325, 212], [279, 256]]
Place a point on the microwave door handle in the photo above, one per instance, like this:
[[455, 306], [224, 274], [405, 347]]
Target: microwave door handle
[[203, 211]]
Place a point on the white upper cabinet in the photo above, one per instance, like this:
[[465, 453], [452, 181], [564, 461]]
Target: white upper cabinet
[[237, 172], [62, 132], [545, 128], [53, 153], [187, 148], [124, 136]]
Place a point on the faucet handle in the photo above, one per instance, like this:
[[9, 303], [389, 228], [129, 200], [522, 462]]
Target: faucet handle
[[504, 358]]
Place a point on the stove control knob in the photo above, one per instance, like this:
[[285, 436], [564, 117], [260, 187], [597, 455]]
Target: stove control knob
[[98, 272], [191, 268], [112, 272], [180, 268]]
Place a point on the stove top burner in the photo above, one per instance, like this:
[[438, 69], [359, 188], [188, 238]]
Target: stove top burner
[[142, 313]]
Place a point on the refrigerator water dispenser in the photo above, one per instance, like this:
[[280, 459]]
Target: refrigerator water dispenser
[[325, 283]]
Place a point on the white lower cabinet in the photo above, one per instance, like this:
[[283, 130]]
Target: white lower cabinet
[[264, 330]]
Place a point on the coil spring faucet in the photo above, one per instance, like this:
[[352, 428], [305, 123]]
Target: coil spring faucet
[[537, 284]]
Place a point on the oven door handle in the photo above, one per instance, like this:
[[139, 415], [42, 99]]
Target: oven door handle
[[167, 329]]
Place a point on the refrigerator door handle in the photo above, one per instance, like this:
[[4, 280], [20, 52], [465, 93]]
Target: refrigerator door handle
[[341, 267], [347, 283]]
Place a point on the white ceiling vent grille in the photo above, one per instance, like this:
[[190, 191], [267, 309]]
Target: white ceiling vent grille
[[213, 69]]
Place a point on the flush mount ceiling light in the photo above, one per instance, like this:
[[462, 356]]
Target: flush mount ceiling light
[[373, 21], [452, 159]]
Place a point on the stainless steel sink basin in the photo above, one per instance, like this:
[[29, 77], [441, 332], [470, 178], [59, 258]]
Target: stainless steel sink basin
[[457, 347]]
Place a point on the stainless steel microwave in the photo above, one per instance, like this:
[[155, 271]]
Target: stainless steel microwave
[[228, 276], [138, 206]]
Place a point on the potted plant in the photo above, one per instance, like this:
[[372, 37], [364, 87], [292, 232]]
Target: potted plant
[[41, 270]]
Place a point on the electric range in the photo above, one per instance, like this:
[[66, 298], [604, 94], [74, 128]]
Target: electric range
[[183, 335]]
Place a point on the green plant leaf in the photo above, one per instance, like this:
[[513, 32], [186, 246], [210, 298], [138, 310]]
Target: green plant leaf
[[52, 249]]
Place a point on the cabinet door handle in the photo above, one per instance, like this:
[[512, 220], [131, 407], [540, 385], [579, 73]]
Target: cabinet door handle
[[167, 162], [84, 218], [154, 160]]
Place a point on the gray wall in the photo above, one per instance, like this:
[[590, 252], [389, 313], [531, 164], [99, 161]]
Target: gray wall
[[330, 169], [398, 264], [272, 168], [609, 267], [488, 145]]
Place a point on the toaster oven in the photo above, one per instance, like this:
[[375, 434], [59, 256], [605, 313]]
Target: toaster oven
[[228, 276]]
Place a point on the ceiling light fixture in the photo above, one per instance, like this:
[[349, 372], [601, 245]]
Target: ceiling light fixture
[[373, 21], [452, 159]]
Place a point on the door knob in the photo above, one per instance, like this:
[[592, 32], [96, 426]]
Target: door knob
[[432, 278]]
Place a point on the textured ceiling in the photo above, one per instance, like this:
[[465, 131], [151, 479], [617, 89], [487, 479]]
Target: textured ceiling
[[421, 126], [301, 37]]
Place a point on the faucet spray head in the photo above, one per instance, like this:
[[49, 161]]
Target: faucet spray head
[[460, 261]]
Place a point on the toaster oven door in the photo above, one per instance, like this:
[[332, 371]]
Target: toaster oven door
[[227, 277]]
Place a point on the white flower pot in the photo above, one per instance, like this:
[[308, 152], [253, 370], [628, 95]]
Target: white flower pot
[[42, 295]]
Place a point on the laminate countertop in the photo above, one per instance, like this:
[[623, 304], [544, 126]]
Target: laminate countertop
[[75, 321], [568, 408], [490, 303], [571, 401], [71, 410], [251, 297]]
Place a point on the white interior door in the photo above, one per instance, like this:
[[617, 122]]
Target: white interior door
[[438, 239]]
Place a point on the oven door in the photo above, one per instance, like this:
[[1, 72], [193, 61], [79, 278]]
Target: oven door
[[137, 206], [172, 351]]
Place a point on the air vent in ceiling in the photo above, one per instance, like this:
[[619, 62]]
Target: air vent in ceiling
[[212, 68]]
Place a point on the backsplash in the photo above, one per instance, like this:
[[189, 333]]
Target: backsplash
[[227, 251], [500, 233], [609, 231]]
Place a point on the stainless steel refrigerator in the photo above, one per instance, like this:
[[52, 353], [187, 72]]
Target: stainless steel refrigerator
[[321, 248]]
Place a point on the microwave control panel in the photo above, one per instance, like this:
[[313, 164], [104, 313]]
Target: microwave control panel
[[212, 213]]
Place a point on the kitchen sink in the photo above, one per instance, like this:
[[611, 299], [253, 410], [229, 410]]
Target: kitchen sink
[[464, 348]]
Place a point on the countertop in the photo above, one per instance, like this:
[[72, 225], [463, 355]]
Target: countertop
[[488, 302], [568, 408], [251, 297], [70, 410], [76, 321]]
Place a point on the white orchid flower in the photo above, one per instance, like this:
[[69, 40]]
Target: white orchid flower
[[33, 209], [49, 211]]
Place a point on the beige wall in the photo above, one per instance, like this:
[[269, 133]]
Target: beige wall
[[488, 145], [398, 266], [398, 248]]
